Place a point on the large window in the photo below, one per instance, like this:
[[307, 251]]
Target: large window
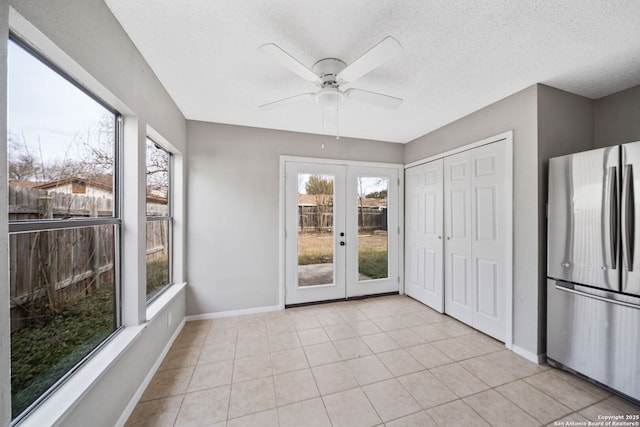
[[159, 219], [64, 225]]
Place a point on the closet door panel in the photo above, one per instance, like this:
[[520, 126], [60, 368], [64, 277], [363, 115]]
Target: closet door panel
[[457, 247], [488, 244], [424, 230]]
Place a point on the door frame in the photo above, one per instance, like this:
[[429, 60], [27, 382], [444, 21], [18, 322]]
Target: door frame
[[282, 211], [508, 138]]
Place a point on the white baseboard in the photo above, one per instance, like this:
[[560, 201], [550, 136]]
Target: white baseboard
[[143, 386], [230, 313], [535, 358]]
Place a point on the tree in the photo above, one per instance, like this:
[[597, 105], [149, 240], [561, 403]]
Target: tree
[[322, 188], [377, 195], [319, 185], [365, 187], [87, 155], [157, 170], [22, 165]]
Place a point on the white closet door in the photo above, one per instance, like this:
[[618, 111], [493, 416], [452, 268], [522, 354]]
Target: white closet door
[[457, 248], [424, 230], [489, 242]]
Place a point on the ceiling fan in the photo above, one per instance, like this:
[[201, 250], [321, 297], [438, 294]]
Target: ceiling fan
[[330, 73]]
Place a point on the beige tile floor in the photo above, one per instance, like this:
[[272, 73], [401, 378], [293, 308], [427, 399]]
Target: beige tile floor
[[380, 361]]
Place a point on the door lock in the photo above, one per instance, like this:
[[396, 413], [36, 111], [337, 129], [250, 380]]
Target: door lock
[[342, 243], [342, 234]]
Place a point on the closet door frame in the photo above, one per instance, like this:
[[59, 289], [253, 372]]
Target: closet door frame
[[508, 225]]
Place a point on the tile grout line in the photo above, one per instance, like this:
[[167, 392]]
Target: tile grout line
[[311, 369], [183, 395], [376, 307]]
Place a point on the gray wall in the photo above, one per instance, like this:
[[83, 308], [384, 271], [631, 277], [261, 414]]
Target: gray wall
[[565, 125], [517, 112], [232, 206], [87, 32], [617, 118]]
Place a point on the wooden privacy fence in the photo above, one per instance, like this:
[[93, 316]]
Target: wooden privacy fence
[[56, 267], [320, 218]]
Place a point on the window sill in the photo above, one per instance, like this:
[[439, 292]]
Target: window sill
[[156, 306], [61, 402]]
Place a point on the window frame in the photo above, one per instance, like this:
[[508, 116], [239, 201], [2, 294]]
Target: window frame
[[168, 218], [43, 225]]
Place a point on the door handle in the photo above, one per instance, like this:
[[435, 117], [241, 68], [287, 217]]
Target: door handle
[[628, 217], [611, 215], [342, 243]]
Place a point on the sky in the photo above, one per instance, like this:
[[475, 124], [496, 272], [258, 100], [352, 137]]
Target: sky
[[47, 109], [367, 184]]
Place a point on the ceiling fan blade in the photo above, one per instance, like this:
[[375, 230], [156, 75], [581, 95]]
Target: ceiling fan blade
[[373, 98], [289, 61], [373, 58], [286, 101]]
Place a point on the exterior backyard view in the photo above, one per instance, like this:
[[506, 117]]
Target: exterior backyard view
[[316, 238], [64, 226]]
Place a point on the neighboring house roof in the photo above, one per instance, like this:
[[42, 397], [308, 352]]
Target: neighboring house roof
[[151, 198], [27, 184], [310, 200], [370, 203], [65, 181]]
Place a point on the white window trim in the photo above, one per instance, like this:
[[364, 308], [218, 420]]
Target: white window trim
[[135, 313]]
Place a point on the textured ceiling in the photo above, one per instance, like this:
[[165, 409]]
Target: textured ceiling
[[458, 57]]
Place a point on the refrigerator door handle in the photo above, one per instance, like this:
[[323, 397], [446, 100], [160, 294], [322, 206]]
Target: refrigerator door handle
[[628, 216], [611, 215]]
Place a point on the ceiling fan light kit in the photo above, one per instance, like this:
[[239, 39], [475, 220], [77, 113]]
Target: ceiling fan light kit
[[330, 73], [329, 97]]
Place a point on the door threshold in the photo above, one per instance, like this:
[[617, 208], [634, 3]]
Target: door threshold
[[360, 297]]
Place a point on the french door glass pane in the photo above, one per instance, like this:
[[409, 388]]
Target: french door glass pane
[[372, 196], [62, 298], [315, 229]]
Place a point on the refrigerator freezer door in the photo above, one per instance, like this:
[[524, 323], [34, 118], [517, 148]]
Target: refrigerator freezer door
[[583, 218], [595, 337], [631, 218]]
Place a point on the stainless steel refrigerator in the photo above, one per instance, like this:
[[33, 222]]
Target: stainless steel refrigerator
[[593, 266]]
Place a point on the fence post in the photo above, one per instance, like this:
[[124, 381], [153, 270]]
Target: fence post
[[45, 211], [95, 245]]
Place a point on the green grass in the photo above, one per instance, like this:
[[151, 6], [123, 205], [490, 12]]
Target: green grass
[[315, 258], [157, 276], [373, 263], [50, 344]]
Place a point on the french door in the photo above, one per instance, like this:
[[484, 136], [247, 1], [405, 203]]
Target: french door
[[341, 231]]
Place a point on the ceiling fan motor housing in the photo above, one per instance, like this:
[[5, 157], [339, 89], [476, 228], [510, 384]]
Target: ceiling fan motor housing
[[329, 94], [327, 69]]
